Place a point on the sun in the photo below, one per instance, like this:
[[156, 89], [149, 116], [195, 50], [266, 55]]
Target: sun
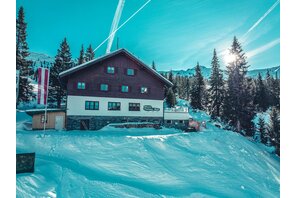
[[229, 58]]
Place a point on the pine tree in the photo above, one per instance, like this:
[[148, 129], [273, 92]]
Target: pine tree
[[261, 95], [274, 129], [198, 89], [273, 90], [170, 76], [90, 55], [269, 86], [81, 58], [154, 66], [276, 92], [216, 90], [238, 107], [22, 52], [170, 98], [261, 128], [188, 87], [57, 94], [173, 81]]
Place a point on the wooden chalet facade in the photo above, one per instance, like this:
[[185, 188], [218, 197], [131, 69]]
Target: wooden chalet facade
[[114, 88]]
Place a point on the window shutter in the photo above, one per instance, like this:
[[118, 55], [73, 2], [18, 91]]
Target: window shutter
[[129, 89], [116, 70], [126, 71], [75, 85], [135, 72]]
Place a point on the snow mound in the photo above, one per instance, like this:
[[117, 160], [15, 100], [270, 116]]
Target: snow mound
[[117, 162]]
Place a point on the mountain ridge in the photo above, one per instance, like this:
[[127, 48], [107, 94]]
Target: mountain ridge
[[41, 59]]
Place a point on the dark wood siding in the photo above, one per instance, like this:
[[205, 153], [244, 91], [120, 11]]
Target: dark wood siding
[[96, 74]]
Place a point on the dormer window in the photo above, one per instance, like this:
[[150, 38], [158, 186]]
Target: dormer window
[[110, 70], [125, 88], [143, 90], [81, 85], [130, 72]]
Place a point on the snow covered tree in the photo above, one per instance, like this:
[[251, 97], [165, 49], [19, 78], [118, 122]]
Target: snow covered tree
[[274, 129], [238, 107], [170, 98], [89, 55], [22, 64], [197, 90], [261, 98], [81, 58], [154, 66], [63, 61], [216, 90]]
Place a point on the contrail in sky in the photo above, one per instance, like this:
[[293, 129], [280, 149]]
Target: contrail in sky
[[262, 18], [122, 25], [262, 48], [115, 23]]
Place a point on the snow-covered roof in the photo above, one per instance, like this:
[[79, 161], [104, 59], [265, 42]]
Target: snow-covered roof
[[122, 50], [38, 111]]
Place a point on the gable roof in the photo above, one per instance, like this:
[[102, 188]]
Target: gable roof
[[104, 57]]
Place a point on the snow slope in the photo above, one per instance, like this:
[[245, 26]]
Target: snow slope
[[146, 163]]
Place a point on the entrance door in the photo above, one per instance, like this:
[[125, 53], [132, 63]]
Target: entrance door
[[84, 124], [59, 122]]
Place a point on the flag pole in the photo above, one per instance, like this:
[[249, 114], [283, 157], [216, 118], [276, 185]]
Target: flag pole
[[45, 111]]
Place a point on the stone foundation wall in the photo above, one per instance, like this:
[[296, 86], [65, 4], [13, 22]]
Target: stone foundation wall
[[98, 122], [176, 124]]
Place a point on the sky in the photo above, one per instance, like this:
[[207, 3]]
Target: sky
[[175, 34]]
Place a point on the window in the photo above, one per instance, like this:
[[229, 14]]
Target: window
[[110, 70], [91, 105], [125, 88], [143, 90], [81, 85], [134, 106], [103, 87], [114, 106], [168, 121], [130, 72]]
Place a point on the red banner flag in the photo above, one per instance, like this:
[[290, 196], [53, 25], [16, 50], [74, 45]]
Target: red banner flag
[[43, 78]]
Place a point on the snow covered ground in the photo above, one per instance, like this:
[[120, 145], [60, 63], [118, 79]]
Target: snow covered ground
[[145, 163]]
